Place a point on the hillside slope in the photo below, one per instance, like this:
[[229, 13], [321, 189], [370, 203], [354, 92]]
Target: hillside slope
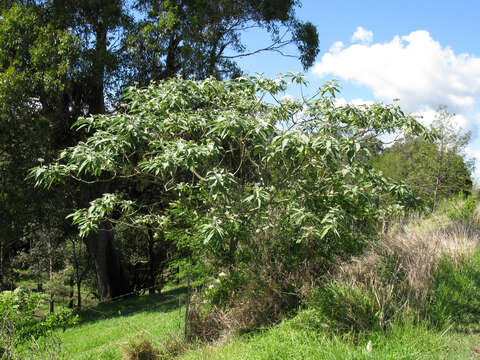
[[434, 301]]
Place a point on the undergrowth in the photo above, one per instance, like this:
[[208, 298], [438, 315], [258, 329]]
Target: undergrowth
[[417, 273], [412, 294]]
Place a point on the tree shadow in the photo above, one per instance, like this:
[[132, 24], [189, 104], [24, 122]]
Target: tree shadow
[[166, 301]]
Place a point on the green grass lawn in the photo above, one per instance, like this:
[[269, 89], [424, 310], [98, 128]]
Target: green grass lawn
[[103, 331], [289, 341]]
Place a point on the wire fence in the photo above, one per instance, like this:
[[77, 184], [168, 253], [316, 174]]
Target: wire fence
[[183, 299]]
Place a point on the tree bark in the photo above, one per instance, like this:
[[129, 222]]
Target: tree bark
[[112, 276], [151, 265], [171, 65], [71, 294], [51, 302], [97, 101], [1, 266], [79, 295], [438, 174]]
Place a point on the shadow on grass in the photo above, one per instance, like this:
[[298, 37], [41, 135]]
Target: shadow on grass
[[166, 301]]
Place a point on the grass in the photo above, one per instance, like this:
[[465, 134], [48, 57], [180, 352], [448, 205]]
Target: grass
[[428, 269], [104, 329], [290, 340], [456, 297]]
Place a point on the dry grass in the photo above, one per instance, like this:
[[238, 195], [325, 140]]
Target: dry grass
[[249, 312], [399, 269], [142, 348]]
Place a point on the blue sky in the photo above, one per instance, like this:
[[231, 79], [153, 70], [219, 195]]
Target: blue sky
[[426, 53]]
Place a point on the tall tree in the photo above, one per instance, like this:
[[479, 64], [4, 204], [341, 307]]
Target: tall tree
[[100, 25], [435, 169], [34, 59], [69, 59], [195, 38]]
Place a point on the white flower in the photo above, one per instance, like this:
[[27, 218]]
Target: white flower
[[216, 281], [222, 274], [210, 287]]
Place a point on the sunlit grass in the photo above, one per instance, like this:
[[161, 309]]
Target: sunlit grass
[[291, 341], [103, 330]]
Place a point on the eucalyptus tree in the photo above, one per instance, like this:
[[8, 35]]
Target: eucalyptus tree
[[62, 59], [203, 38], [212, 167]]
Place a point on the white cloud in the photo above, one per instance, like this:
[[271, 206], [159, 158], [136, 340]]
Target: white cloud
[[336, 47], [428, 114], [414, 68], [287, 97], [362, 35], [357, 102]]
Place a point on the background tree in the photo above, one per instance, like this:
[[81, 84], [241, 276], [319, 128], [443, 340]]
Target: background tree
[[435, 169], [198, 39], [34, 60]]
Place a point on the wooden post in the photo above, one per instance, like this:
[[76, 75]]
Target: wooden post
[[187, 304]]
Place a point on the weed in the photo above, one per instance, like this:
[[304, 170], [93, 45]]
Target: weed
[[140, 348]]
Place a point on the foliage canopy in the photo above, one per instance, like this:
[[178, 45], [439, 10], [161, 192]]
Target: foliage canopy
[[213, 166], [434, 169]]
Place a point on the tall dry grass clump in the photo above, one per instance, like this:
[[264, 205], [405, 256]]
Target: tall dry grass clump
[[141, 347], [406, 258], [395, 276]]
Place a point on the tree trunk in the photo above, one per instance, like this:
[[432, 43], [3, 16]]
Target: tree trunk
[[151, 265], [71, 294], [50, 276], [1, 266], [79, 295], [438, 174], [171, 65], [78, 277], [112, 277], [97, 101], [39, 281]]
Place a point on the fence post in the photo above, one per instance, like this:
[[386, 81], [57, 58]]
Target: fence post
[[187, 304]]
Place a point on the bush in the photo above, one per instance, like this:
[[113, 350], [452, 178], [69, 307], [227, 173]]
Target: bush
[[465, 212], [21, 321], [141, 348], [270, 286], [343, 308]]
